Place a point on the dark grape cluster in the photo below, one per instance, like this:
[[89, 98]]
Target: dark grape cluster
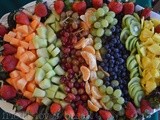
[[114, 61]]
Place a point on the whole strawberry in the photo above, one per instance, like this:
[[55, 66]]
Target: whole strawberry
[[97, 3], [55, 108], [157, 29], [79, 7], [145, 107], [82, 113], [106, 115], [21, 104], [8, 49], [128, 8], [59, 6], [7, 92], [69, 112], [41, 10], [146, 12], [22, 18], [115, 6], [32, 109], [130, 111], [3, 30]]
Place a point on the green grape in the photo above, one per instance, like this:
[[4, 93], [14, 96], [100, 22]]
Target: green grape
[[109, 105], [100, 74], [120, 100], [97, 24], [121, 112], [115, 21], [103, 50], [105, 98], [105, 8], [108, 32], [100, 32], [99, 82], [109, 19], [93, 19], [100, 12], [94, 32], [98, 46], [109, 90], [117, 107], [114, 83], [97, 40], [111, 13], [117, 93], [102, 89], [104, 23]]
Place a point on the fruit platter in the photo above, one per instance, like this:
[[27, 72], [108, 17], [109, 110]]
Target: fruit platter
[[80, 60]]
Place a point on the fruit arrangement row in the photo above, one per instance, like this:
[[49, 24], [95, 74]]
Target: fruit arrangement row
[[81, 60]]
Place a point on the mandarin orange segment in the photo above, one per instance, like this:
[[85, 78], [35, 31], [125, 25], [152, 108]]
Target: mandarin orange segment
[[98, 56], [93, 75], [103, 105], [96, 102], [83, 42], [85, 73], [89, 49], [91, 106], [87, 88], [85, 56], [95, 92]]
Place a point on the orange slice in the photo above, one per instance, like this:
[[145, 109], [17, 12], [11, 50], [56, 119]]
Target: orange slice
[[93, 75], [98, 56], [87, 88], [103, 105], [96, 102], [89, 49], [85, 56], [83, 42], [92, 107], [85, 73], [95, 92]]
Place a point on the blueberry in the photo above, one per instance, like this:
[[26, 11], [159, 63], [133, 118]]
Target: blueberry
[[116, 69], [112, 58], [110, 70], [108, 55], [102, 64], [107, 47], [121, 60], [106, 69], [113, 29], [109, 50], [123, 74], [107, 83], [116, 50], [105, 61], [115, 77]]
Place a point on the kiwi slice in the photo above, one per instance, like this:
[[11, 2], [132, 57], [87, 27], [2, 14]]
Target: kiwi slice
[[129, 20], [136, 16], [132, 43], [127, 43], [124, 35], [135, 28], [124, 20]]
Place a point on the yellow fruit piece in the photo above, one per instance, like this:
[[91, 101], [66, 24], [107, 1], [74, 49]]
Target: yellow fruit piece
[[85, 73], [145, 62], [150, 55], [156, 37], [142, 50], [89, 49], [83, 42], [145, 34], [155, 49], [148, 24], [155, 21], [147, 76], [96, 102], [142, 22], [95, 92], [155, 72], [148, 42], [88, 88], [156, 63], [91, 106], [150, 86]]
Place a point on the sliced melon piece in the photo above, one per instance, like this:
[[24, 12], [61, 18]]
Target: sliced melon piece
[[58, 43], [50, 48], [39, 75], [46, 101], [42, 52], [60, 95], [54, 61], [50, 19], [58, 70], [55, 52], [40, 62], [39, 93], [47, 67], [50, 74], [56, 79], [42, 32], [51, 36], [46, 83], [50, 93]]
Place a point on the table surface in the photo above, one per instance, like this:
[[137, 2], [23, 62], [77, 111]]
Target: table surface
[[10, 5]]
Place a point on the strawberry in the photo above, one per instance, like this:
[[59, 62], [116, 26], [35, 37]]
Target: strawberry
[[97, 3], [145, 107], [9, 49], [157, 29], [79, 7], [106, 115], [21, 104], [59, 6], [128, 8], [22, 18], [82, 113], [115, 6], [40, 10], [32, 109], [69, 112], [9, 63], [146, 12], [55, 108], [3, 30], [8, 92], [130, 111]]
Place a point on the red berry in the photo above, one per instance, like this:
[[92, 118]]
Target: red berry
[[40, 10], [97, 3], [3, 30], [59, 6], [7, 92], [157, 29], [32, 109], [79, 7], [69, 112], [130, 111], [21, 104], [55, 108], [9, 49], [22, 18], [105, 115], [128, 8], [146, 12], [145, 107], [82, 112], [9, 63], [115, 7]]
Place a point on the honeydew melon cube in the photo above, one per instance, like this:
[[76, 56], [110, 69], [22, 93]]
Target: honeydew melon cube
[[51, 36], [55, 52], [54, 61], [42, 52], [47, 67], [42, 32], [57, 16], [39, 75], [50, 74], [46, 83], [63, 104], [58, 70], [46, 101], [35, 41], [58, 43], [54, 87], [50, 48], [50, 94], [56, 26], [56, 79], [40, 62], [60, 95], [43, 43], [39, 92], [50, 19]]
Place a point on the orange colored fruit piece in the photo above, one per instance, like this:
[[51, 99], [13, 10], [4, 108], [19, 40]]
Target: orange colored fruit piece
[[85, 73], [91, 106], [95, 92], [89, 49]]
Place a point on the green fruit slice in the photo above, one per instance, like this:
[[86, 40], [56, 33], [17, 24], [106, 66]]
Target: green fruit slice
[[134, 79], [136, 16], [135, 90], [133, 72], [132, 43], [130, 20], [127, 43], [132, 64], [139, 95], [129, 59], [124, 35], [135, 28], [125, 18], [135, 84]]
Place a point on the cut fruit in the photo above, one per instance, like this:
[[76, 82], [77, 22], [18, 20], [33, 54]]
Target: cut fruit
[[50, 19], [39, 75], [39, 93], [50, 93], [135, 28], [46, 101], [55, 52], [54, 61], [46, 83], [50, 74], [42, 52], [91, 106], [60, 95], [96, 102], [87, 88], [58, 70], [40, 62], [47, 67], [85, 73], [42, 32], [51, 36], [56, 79], [95, 92], [89, 49]]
